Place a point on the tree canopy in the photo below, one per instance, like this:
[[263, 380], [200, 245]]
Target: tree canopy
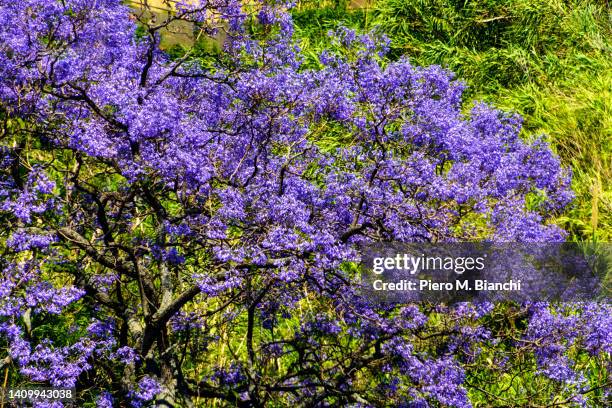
[[182, 229]]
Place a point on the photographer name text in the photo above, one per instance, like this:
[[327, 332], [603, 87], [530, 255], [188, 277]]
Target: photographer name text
[[432, 286]]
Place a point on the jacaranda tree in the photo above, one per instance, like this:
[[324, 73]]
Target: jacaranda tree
[[178, 230]]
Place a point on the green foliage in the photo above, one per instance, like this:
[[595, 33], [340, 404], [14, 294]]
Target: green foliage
[[314, 21]]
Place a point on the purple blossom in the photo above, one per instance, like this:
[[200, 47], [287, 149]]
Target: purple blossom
[[105, 400], [147, 389], [22, 241]]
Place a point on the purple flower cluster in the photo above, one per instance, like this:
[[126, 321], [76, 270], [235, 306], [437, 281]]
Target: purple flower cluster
[[146, 390], [558, 332]]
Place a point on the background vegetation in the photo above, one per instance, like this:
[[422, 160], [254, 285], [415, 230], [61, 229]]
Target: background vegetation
[[549, 60]]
